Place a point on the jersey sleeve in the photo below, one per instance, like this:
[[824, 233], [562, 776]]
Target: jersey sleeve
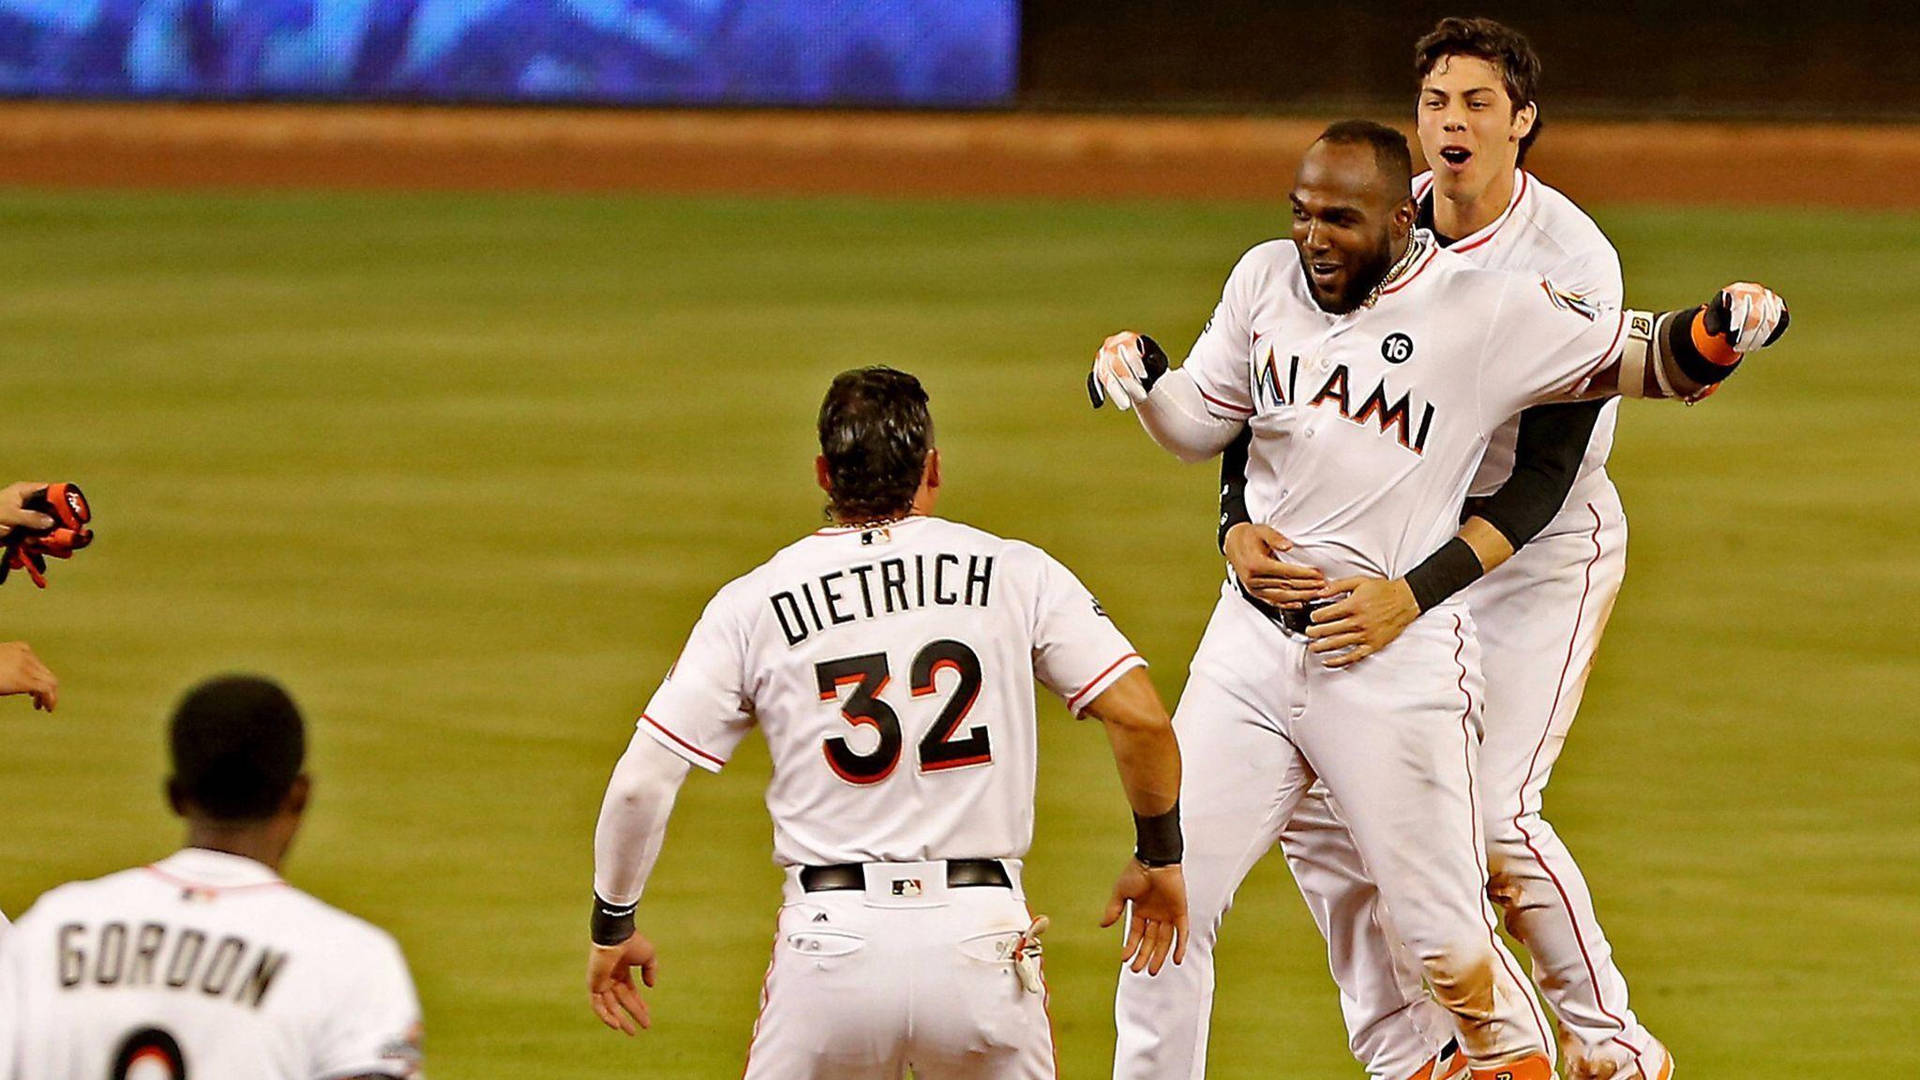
[[702, 709], [12, 989], [1544, 343], [1218, 361], [374, 1028], [1593, 274], [1077, 651]]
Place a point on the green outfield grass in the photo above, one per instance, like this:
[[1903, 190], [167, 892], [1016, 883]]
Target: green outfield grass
[[463, 470]]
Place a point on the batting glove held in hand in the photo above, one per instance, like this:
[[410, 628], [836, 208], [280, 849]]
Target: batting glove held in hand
[[28, 549], [1751, 317], [1125, 370]]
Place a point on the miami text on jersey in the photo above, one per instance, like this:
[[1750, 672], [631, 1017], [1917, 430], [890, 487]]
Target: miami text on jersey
[[1395, 416]]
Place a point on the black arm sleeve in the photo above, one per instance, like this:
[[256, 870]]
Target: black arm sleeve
[[1546, 459], [1233, 483]]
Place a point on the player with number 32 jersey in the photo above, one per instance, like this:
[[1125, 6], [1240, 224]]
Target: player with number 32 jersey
[[889, 660]]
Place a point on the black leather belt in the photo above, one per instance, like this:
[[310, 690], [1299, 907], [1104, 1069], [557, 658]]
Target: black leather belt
[[1293, 620], [961, 874]]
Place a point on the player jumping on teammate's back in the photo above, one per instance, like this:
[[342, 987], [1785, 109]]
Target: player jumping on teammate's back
[[889, 661], [1540, 562], [1371, 365], [206, 963]]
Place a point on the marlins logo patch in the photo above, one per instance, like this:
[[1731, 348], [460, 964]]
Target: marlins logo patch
[[1569, 301]]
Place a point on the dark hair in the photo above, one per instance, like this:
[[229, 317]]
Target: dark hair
[[1496, 43], [876, 433], [1389, 148], [237, 744]]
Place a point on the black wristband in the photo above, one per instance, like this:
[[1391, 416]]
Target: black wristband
[[1157, 839], [1445, 572], [612, 923], [1686, 356], [1233, 485]]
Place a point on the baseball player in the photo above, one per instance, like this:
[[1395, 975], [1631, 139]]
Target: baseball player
[[1372, 366], [889, 660], [207, 964], [1541, 497]]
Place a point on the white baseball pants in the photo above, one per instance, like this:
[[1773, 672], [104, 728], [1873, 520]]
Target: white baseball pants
[[865, 985], [1540, 620], [1395, 738]]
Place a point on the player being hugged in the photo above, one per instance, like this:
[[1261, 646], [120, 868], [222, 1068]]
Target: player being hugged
[[889, 661], [1372, 367], [1548, 538], [206, 963]]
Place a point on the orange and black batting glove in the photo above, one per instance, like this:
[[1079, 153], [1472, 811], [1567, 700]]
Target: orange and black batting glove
[[28, 549]]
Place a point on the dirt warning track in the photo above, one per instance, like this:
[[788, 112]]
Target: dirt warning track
[[889, 154]]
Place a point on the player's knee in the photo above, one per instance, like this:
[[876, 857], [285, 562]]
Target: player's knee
[[1508, 855], [1462, 974]]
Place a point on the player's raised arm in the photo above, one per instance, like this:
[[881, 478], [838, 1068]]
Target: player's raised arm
[[1686, 354], [1546, 344], [1195, 410]]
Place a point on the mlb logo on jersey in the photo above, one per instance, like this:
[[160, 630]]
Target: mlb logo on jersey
[[907, 887]]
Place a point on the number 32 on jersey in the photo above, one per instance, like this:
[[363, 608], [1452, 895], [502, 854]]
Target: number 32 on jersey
[[939, 748]]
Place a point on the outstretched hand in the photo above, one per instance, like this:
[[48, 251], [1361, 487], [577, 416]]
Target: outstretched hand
[[21, 672], [1155, 899], [610, 988]]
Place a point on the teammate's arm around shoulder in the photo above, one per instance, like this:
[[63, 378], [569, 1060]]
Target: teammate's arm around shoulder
[[1151, 888]]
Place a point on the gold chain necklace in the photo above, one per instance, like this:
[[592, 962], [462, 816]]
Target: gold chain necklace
[[1416, 246]]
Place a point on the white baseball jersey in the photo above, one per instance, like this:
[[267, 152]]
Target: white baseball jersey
[[1541, 232], [1368, 427], [891, 671], [203, 965]]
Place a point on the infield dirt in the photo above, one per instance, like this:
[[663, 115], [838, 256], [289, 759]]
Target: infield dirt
[[895, 154]]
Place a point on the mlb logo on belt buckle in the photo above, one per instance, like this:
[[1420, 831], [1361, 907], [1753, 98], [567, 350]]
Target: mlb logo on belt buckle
[[907, 887]]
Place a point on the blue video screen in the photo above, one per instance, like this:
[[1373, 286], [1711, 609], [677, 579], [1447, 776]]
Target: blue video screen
[[936, 53]]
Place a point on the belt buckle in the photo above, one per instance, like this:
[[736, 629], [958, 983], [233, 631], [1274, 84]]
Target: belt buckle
[[906, 884]]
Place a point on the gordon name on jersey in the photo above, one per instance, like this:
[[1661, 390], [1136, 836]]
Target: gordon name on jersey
[[116, 954], [204, 961]]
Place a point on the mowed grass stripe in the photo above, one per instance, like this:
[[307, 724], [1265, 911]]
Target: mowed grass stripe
[[463, 470]]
